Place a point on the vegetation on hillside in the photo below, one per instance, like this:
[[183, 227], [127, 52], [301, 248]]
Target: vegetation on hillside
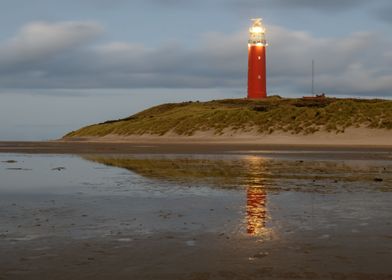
[[296, 116]]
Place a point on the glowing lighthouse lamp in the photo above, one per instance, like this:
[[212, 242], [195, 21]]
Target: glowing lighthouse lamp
[[257, 73]]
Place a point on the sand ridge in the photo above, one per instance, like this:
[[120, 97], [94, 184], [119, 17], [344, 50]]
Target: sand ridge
[[351, 136]]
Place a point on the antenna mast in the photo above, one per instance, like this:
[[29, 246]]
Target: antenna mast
[[313, 77]]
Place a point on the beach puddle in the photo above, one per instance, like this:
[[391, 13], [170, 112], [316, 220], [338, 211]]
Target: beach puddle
[[226, 216]]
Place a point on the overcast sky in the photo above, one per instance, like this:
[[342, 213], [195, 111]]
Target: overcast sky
[[64, 64]]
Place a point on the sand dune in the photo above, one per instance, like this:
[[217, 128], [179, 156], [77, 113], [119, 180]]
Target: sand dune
[[351, 136]]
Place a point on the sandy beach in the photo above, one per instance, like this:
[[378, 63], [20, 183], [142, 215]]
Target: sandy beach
[[194, 209], [331, 152]]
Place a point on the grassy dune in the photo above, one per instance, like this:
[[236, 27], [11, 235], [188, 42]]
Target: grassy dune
[[296, 116]]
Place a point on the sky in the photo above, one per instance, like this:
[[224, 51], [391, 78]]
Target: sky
[[65, 64]]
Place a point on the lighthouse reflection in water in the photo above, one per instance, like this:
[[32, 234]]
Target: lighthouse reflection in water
[[256, 210], [247, 173], [256, 197]]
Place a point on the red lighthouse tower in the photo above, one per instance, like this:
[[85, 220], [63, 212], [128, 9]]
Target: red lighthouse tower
[[257, 72]]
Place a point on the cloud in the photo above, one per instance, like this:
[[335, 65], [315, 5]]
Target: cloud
[[39, 41], [101, 4], [352, 65], [384, 12], [319, 5], [358, 64]]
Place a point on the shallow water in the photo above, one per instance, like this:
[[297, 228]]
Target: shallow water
[[151, 216]]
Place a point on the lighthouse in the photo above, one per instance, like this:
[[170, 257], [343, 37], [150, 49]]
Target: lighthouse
[[257, 70]]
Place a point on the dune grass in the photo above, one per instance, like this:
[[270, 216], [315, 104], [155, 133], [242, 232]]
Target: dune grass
[[296, 116]]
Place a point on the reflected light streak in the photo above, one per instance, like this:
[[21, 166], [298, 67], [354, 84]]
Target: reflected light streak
[[256, 197], [256, 210]]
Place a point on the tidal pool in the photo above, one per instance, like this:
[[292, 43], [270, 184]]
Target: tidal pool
[[194, 217]]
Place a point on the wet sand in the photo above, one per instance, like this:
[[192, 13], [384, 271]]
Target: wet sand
[[234, 215], [214, 257], [75, 147]]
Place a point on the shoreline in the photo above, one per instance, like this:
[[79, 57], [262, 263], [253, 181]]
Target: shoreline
[[338, 152], [356, 143]]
